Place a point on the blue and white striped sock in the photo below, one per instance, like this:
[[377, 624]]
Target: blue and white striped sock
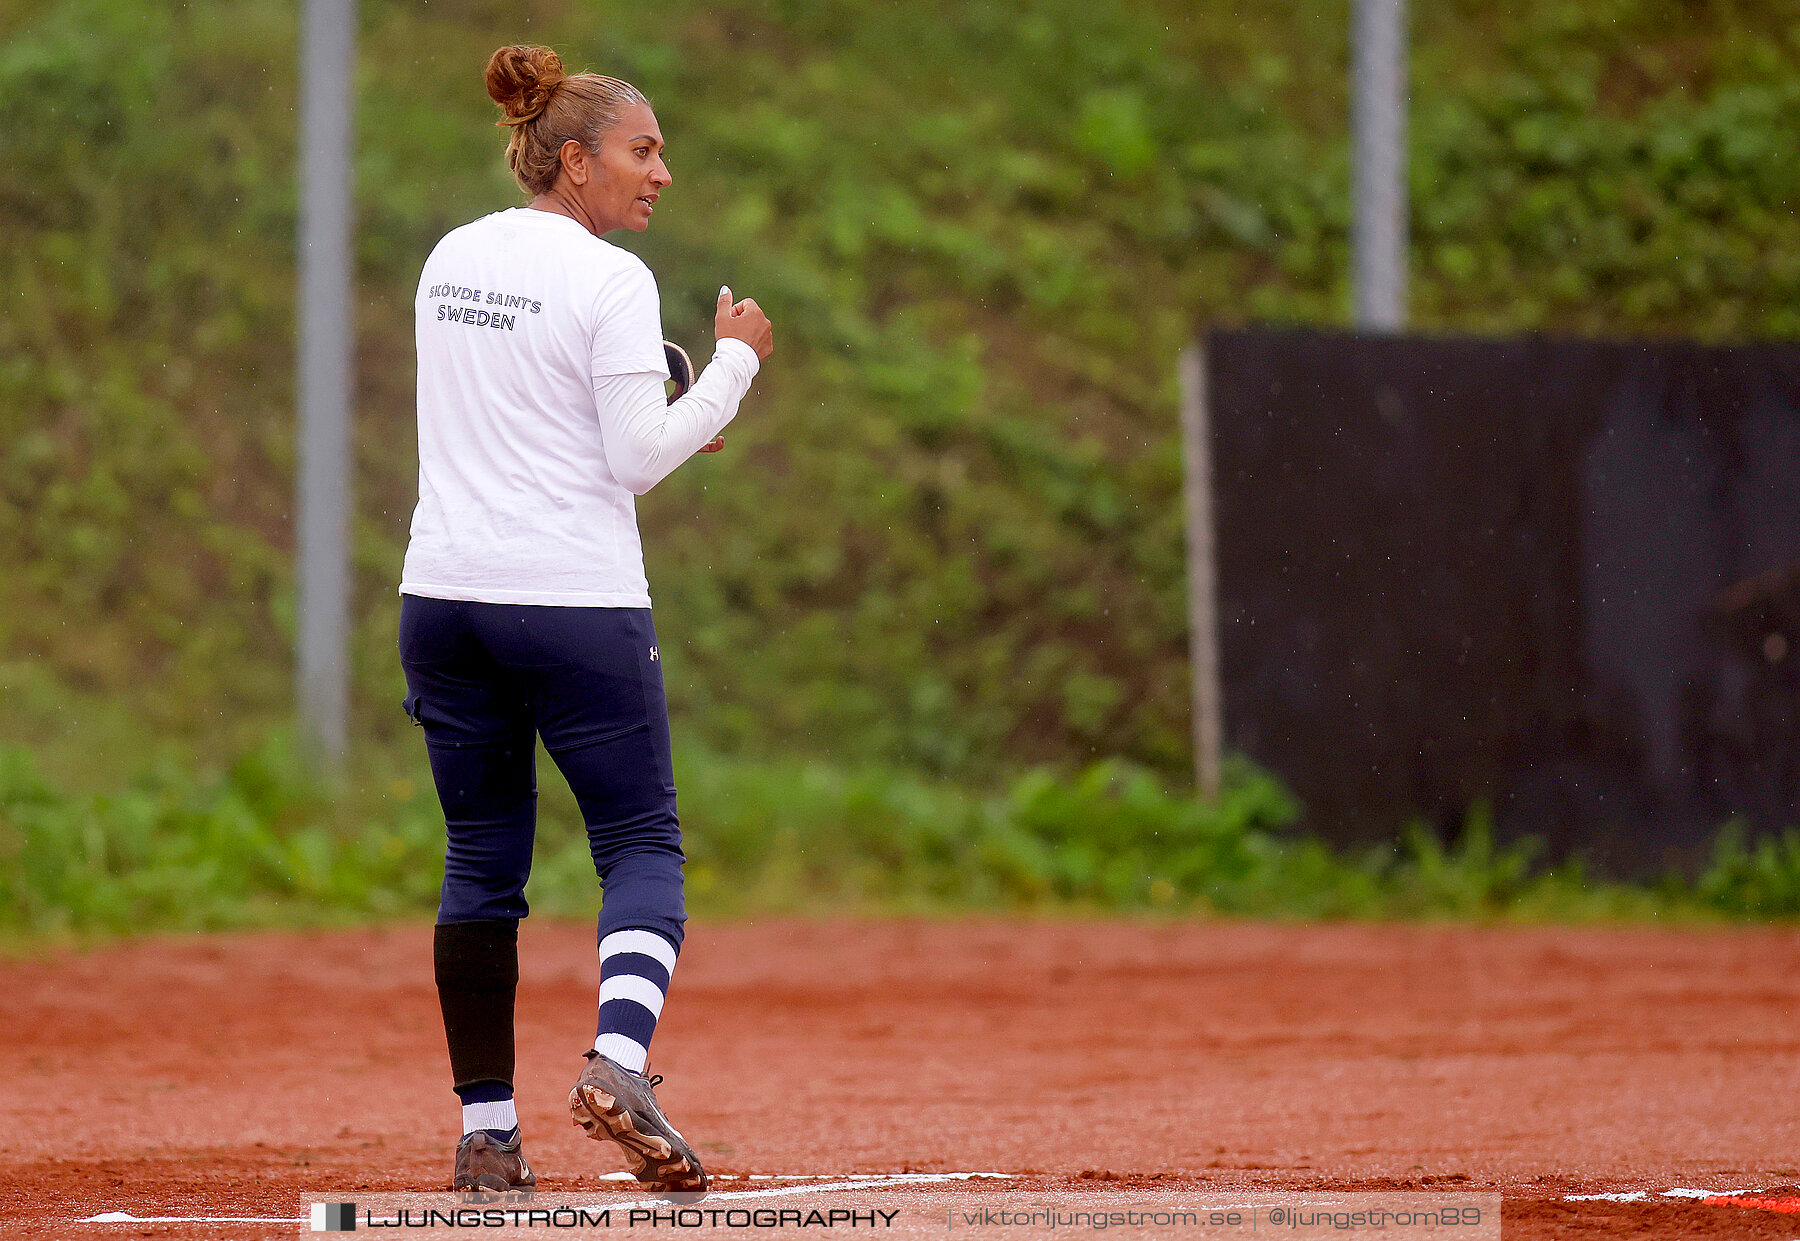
[[635, 967]]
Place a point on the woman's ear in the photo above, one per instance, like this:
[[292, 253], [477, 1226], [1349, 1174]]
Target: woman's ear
[[574, 161]]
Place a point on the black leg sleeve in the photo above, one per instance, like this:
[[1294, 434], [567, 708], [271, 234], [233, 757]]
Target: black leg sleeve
[[477, 980]]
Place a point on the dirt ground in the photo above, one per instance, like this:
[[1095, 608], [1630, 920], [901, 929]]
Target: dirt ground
[[245, 1076]]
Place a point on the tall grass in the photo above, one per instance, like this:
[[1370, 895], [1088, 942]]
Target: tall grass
[[253, 844], [256, 844]]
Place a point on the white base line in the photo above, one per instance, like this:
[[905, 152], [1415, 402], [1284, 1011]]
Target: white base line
[[830, 1186], [121, 1217], [881, 1182], [826, 1176], [1644, 1195]]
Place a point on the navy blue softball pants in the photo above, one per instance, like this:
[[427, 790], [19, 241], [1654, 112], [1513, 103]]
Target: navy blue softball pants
[[485, 680]]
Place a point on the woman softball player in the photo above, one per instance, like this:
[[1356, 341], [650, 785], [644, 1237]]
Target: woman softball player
[[525, 612]]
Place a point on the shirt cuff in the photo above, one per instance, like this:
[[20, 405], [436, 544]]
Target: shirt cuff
[[731, 344]]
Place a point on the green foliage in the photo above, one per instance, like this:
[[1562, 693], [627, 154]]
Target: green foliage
[[945, 534], [173, 852], [1616, 188], [255, 844], [1114, 836], [1759, 878], [1475, 873]]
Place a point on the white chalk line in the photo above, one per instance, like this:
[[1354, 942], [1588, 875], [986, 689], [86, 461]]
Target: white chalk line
[[1644, 1195], [885, 1182], [122, 1217], [828, 1185]]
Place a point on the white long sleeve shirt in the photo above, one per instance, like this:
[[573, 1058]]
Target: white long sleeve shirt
[[542, 414]]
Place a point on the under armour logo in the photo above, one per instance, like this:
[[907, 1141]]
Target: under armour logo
[[654, 657]]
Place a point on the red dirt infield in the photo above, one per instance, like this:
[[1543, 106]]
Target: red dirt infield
[[247, 1075]]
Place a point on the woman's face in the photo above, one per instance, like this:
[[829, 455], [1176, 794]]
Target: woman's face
[[622, 183]]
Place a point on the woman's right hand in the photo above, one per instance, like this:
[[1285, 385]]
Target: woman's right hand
[[744, 321]]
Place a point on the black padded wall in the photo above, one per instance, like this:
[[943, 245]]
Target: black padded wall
[[1561, 577]]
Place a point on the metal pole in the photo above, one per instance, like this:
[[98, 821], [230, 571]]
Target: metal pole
[[327, 316], [1378, 124], [1203, 622]]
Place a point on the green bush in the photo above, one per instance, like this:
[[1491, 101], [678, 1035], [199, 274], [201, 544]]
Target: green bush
[[256, 844], [1758, 878], [252, 845]]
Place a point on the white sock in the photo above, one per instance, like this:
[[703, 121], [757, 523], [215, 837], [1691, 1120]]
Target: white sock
[[502, 1116]]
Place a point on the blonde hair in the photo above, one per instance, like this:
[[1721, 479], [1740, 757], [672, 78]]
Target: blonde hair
[[546, 107]]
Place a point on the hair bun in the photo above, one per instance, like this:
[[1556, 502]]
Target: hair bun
[[521, 79]]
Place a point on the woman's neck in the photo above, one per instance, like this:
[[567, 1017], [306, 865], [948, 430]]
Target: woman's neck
[[563, 204]]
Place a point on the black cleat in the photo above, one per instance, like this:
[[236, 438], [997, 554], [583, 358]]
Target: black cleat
[[615, 1104], [492, 1171]]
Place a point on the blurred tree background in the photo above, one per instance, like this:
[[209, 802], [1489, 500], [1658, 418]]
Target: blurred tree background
[[945, 533]]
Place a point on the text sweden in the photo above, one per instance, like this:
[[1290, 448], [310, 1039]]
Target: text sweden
[[475, 315]]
